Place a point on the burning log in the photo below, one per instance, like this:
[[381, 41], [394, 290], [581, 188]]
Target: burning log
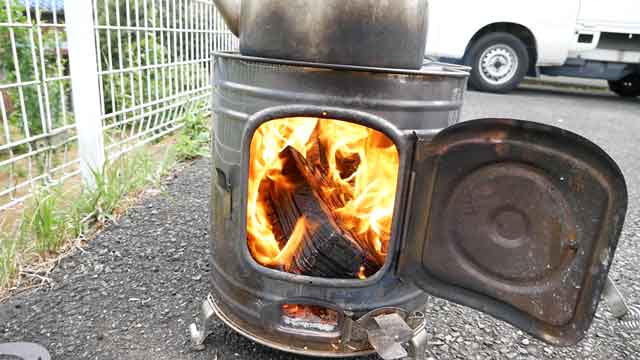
[[285, 214], [316, 154], [315, 178], [332, 194], [347, 165], [326, 249], [268, 191]]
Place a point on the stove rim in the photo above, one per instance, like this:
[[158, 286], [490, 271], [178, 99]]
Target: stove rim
[[403, 141], [429, 67]]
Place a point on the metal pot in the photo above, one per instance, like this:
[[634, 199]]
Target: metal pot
[[375, 33]]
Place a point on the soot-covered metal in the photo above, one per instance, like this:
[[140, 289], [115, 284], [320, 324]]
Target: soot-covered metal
[[523, 213], [355, 32], [514, 218]]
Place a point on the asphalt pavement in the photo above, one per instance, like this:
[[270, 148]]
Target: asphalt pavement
[[137, 286]]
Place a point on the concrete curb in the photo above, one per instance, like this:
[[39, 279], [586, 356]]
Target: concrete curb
[[568, 83]]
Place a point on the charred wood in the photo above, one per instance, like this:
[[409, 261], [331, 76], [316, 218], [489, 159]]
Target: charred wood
[[327, 250]]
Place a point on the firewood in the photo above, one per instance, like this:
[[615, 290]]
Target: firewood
[[347, 165], [265, 195], [316, 155], [286, 214], [315, 178], [334, 196], [327, 250]]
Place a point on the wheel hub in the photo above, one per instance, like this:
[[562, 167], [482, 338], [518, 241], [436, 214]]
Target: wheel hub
[[498, 64]]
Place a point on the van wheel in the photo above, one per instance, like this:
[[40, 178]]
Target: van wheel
[[628, 86], [499, 61]]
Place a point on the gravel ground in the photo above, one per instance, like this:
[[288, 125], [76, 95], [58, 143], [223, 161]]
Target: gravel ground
[[137, 286]]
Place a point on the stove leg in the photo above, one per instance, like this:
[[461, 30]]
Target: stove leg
[[393, 338], [198, 336], [418, 346], [615, 300]]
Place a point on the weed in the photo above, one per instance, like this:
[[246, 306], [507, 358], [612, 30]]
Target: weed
[[45, 222], [128, 174], [21, 172], [193, 140], [52, 217], [168, 161], [8, 266]]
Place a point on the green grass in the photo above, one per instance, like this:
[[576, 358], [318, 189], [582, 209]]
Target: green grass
[[8, 266], [44, 224], [56, 215], [193, 140], [53, 216], [114, 182]]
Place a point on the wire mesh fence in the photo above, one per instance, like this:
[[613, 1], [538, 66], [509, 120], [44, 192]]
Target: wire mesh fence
[[153, 66], [36, 144]]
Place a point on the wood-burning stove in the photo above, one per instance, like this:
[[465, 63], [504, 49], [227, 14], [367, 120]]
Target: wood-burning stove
[[514, 218]]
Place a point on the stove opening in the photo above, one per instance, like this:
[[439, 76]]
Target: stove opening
[[321, 197], [309, 317]]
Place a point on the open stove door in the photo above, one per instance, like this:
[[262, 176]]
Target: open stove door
[[516, 219]]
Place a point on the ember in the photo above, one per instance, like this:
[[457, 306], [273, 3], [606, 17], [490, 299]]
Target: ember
[[309, 317], [321, 197]]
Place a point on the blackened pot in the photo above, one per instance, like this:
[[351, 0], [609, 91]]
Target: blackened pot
[[388, 33]]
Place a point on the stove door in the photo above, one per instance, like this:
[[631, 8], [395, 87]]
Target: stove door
[[516, 219]]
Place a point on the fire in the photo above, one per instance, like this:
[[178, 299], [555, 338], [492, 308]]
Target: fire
[[361, 273], [361, 165], [311, 314]]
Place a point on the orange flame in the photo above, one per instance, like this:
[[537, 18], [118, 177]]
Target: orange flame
[[368, 191], [361, 274]]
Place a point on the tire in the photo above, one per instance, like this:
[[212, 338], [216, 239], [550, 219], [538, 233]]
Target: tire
[[499, 61], [628, 86]]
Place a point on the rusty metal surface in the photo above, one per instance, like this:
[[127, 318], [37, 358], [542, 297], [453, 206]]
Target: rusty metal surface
[[252, 329], [248, 91], [517, 219], [419, 100], [249, 293]]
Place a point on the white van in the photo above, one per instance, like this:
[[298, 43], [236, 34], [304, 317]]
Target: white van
[[505, 40]]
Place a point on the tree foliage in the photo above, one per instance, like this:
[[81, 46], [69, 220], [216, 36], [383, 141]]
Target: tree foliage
[[21, 49]]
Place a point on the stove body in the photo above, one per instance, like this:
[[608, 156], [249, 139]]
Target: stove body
[[250, 295], [440, 211]]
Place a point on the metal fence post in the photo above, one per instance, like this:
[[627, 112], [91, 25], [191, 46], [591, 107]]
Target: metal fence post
[[85, 86]]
